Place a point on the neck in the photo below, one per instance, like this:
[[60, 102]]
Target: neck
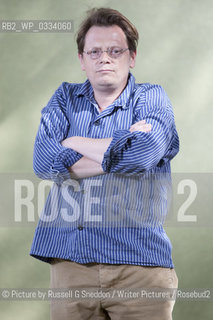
[[106, 97], [104, 100]]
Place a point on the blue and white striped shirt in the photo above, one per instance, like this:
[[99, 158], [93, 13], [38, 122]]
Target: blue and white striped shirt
[[116, 217]]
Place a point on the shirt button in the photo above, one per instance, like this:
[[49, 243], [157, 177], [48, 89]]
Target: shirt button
[[97, 123], [80, 227]]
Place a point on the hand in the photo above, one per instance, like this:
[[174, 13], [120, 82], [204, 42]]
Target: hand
[[141, 126]]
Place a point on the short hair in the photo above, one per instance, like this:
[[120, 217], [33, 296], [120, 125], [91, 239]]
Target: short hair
[[107, 17]]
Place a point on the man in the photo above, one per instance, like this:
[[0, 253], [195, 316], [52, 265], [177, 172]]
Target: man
[[107, 145]]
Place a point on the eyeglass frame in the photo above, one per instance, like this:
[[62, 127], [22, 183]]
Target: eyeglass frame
[[107, 51]]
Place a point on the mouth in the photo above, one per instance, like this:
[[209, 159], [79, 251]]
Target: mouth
[[105, 70]]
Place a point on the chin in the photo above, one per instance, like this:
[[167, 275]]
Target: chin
[[108, 84]]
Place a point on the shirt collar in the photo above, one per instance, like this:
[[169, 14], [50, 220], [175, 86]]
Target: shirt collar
[[122, 101]]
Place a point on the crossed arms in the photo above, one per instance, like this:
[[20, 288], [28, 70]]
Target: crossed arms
[[148, 143], [93, 152]]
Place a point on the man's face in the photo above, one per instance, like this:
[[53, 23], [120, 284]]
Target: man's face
[[106, 73]]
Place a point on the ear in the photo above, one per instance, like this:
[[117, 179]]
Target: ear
[[132, 59], [81, 59]]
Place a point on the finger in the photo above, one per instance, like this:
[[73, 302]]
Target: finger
[[138, 123], [143, 128], [148, 127]]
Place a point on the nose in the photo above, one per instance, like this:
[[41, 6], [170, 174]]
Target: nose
[[104, 58]]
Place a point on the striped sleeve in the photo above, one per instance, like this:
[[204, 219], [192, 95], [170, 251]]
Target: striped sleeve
[[132, 153], [51, 159]]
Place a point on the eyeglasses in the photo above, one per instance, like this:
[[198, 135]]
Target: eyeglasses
[[112, 52]]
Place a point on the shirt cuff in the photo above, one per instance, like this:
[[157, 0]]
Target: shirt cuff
[[66, 158], [120, 139]]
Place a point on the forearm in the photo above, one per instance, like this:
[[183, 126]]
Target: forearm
[[133, 152], [85, 168], [92, 149]]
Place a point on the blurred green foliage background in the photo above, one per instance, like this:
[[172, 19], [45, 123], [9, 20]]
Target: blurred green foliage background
[[175, 50]]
